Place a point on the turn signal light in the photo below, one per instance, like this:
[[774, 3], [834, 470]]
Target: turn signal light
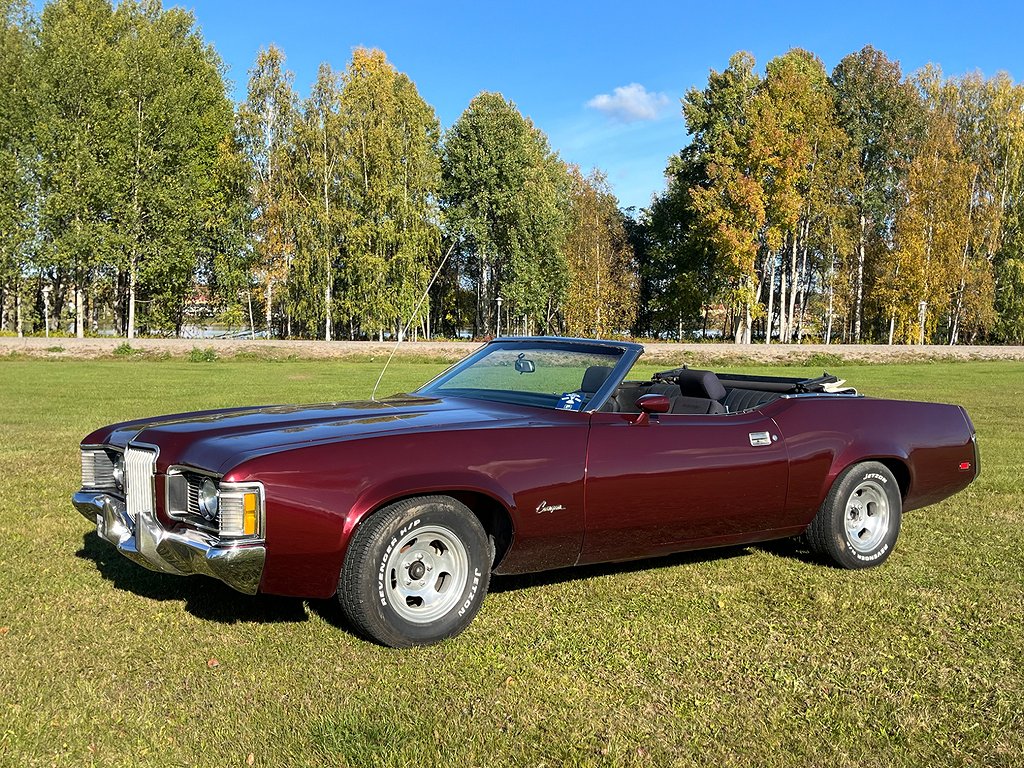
[[249, 503], [964, 466]]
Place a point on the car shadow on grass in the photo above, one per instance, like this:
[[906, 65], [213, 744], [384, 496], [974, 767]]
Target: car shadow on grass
[[584, 572], [794, 549], [203, 597], [206, 598]]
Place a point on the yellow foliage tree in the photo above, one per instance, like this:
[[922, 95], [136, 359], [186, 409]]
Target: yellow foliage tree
[[601, 297]]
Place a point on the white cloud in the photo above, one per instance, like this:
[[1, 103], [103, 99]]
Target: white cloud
[[630, 103]]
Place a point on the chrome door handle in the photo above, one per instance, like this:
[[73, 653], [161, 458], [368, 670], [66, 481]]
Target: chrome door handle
[[760, 438]]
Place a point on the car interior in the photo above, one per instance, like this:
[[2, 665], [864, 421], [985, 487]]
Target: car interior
[[692, 391]]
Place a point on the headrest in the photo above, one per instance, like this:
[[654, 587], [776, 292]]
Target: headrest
[[595, 376], [700, 384]]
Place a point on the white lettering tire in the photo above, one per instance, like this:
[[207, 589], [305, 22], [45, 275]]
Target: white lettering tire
[[416, 572], [859, 522]]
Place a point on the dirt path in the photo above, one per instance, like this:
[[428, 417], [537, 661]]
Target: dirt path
[[453, 350]]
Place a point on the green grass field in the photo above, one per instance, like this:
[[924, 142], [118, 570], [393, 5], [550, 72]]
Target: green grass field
[[740, 657]]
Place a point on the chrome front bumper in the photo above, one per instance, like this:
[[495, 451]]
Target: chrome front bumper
[[147, 543]]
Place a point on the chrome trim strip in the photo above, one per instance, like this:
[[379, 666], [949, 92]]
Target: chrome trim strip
[[802, 395]]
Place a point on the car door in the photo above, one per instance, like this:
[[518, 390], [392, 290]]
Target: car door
[[677, 482]]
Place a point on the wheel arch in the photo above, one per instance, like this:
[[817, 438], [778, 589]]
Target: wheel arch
[[491, 510], [898, 465], [900, 470]]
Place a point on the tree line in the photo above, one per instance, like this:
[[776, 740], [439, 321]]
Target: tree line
[[137, 197], [856, 205]]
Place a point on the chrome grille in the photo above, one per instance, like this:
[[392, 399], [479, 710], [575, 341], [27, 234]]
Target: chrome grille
[[194, 484], [139, 468], [97, 469]]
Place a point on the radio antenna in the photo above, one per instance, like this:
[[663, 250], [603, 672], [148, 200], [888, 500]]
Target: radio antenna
[[405, 329]]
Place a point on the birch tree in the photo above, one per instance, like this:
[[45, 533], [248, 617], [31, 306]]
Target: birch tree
[[880, 112], [390, 176], [601, 295], [18, 115], [266, 126], [502, 193]]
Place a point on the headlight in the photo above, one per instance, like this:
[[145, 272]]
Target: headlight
[[208, 501], [118, 471]]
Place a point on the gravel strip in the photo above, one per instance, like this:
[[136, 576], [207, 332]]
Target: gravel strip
[[91, 348]]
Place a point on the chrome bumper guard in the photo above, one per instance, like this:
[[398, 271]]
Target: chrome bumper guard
[[147, 543]]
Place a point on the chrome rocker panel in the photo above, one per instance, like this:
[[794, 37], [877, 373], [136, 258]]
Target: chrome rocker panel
[[182, 554]]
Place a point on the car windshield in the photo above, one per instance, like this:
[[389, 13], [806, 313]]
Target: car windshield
[[562, 375]]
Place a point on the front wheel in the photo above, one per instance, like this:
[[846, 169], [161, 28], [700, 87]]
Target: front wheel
[[416, 572], [859, 521]]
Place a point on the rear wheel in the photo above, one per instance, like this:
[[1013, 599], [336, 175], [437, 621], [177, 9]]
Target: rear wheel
[[416, 572], [859, 522]]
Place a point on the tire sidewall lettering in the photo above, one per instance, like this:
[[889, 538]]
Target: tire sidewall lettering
[[473, 587], [869, 557], [382, 576]]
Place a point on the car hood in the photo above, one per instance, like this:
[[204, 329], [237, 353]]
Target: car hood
[[218, 440]]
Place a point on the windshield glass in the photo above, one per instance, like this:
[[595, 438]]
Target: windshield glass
[[561, 375]]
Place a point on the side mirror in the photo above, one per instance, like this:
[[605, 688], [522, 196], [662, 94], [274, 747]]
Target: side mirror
[[649, 404], [654, 404], [525, 366]]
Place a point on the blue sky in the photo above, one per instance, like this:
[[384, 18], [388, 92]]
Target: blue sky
[[603, 80]]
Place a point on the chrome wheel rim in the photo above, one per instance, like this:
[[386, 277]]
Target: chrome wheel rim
[[867, 517], [426, 574]]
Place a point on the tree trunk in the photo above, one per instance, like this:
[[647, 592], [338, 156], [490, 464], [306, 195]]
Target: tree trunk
[[269, 306], [17, 310], [831, 298], [782, 301], [327, 310], [805, 285], [131, 299], [771, 302], [794, 283], [859, 300], [79, 313]]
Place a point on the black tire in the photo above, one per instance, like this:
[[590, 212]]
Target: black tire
[[859, 522], [416, 572]]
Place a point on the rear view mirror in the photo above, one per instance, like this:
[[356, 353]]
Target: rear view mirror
[[525, 366]]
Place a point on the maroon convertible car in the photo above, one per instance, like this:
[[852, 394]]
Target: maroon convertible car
[[530, 454]]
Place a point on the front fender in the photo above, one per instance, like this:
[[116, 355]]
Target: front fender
[[395, 488]]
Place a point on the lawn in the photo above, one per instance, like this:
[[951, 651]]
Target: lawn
[[752, 656]]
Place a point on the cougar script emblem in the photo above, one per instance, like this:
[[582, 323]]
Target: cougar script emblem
[[545, 507]]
